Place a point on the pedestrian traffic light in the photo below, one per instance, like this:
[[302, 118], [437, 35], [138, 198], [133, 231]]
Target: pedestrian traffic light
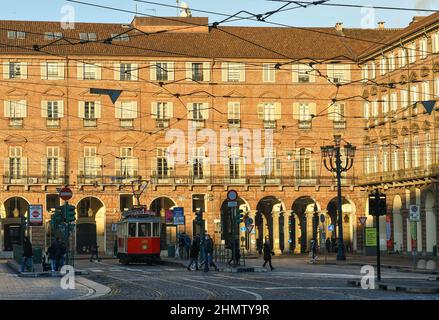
[[56, 218], [69, 213], [239, 218]]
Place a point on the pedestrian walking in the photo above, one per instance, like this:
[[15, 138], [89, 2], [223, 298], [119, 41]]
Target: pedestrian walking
[[55, 253], [94, 252], [181, 245], [313, 252], [27, 255], [267, 253], [328, 245], [187, 245], [208, 247], [194, 252]]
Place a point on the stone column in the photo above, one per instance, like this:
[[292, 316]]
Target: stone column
[[276, 246], [287, 215]]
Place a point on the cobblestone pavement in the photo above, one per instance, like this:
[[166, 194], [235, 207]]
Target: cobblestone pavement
[[295, 280], [13, 287]]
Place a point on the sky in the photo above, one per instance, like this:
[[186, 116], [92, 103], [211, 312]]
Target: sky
[[317, 16]]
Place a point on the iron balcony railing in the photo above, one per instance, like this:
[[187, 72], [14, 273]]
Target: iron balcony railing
[[34, 180], [401, 175], [106, 180]]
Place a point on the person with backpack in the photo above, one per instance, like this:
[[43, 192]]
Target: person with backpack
[[27, 255], [194, 252], [313, 251]]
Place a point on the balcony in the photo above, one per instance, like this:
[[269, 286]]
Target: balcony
[[35, 180], [105, 180], [401, 176], [305, 124], [269, 124], [340, 124]]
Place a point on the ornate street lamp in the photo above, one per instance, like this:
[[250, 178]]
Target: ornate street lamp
[[333, 163]]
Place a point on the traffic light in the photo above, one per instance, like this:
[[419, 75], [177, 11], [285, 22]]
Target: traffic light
[[69, 213], [239, 218], [377, 204], [57, 218]]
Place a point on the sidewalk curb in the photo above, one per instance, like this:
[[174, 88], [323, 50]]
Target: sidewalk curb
[[96, 290], [398, 288], [12, 264]]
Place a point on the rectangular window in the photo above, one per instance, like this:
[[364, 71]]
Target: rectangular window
[[90, 71], [339, 116], [412, 52], [162, 71], [423, 48], [120, 37], [162, 165], [86, 37], [269, 72], [235, 72], [15, 70], [52, 36], [198, 163], [402, 57], [53, 163], [16, 163], [197, 72], [16, 35], [234, 114], [304, 73], [52, 110], [126, 72], [338, 73], [89, 111]]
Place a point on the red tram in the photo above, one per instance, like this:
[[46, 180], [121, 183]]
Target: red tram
[[138, 237]]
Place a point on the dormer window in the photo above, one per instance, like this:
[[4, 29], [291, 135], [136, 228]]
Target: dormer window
[[120, 37], [16, 35], [86, 37], [52, 35]]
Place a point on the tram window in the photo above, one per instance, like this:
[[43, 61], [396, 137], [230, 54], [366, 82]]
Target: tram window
[[155, 229], [132, 230], [142, 229], [148, 229]]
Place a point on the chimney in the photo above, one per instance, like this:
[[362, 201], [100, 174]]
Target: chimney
[[339, 26], [381, 25]]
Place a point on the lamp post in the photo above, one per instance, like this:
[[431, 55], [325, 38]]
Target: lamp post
[[333, 163]]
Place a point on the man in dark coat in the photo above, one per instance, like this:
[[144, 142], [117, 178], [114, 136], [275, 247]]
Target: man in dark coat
[[194, 252], [55, 253], [267, 253], [208, 248], [27, 255]]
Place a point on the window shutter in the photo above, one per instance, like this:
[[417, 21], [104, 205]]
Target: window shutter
[[224, 71], [43, 70], [6, 70], [296, 111], [347, 73], [277, 111], [7, 108], [61, 108], [154, 110], [61, 167], [190, 108], [117, 71], [98, 109], [118, 110], [170, 110], [61, 70], [134, 71], [206, 71], [188, 71], [133, 112], [80, 71], [44, 108], [205, 111], [171, 71], [312, 109], [23, 66], [261, 108], [44, 167], [295, 73], [98, 70], [81, 110], [23, 168], [23, 108], [331, 112], [242, 72], [153, 71]]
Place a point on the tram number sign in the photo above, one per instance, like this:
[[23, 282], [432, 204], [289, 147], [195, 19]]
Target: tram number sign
[[66, 194]]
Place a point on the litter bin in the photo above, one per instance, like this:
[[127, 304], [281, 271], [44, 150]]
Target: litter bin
[[171, 250]]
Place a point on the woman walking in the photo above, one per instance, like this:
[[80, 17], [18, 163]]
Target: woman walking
[[267, 253]]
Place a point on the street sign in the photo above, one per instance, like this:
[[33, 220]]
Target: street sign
[[322, 218], [232, 195], [243, 229], [232, 204], [178, 215], [66, 194], [414, 213], [248, 221], [35, 215], [249, 228], [371, 237], [362, 220], [331, 227]]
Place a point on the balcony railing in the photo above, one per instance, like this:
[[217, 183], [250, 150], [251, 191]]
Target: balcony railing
[[400, 175], [105, 180], [35, 180], [305, 124]]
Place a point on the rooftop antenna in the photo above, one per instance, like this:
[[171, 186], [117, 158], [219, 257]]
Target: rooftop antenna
[[178, 6]]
